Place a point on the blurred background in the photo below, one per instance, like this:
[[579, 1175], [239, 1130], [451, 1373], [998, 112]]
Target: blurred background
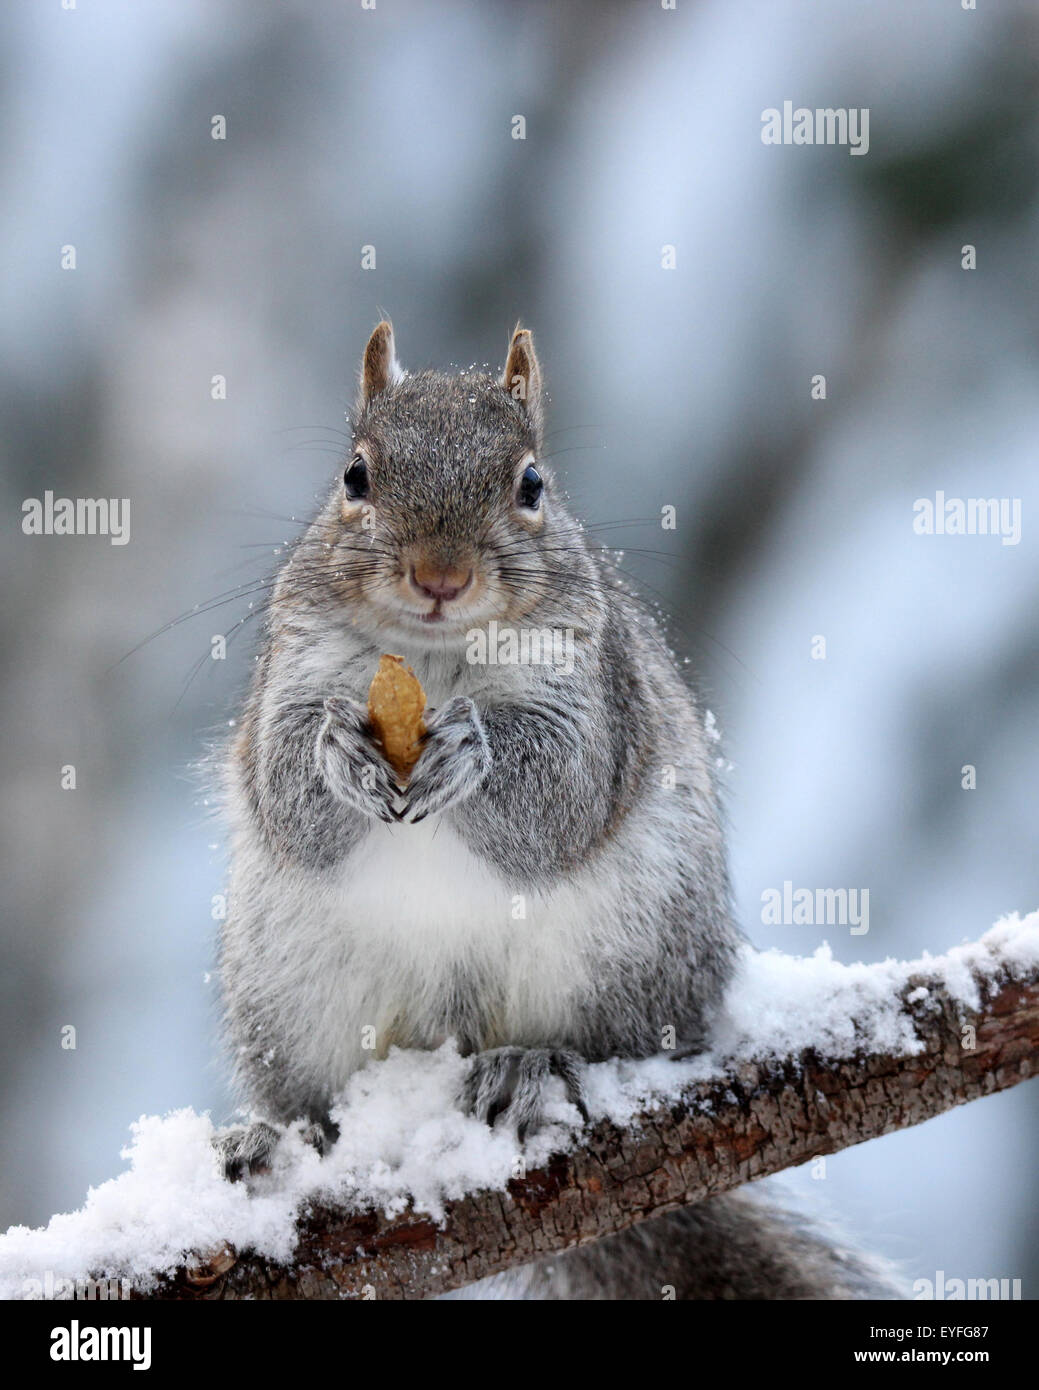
[[392, 128]]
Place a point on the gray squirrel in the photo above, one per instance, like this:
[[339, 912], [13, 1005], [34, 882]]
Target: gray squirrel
[[587, 792]]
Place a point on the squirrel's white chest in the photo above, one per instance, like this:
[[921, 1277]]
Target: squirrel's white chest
[[416, 937], [421, 886]]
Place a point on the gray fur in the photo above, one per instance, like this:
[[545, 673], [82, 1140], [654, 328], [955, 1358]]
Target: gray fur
[[534, 786]]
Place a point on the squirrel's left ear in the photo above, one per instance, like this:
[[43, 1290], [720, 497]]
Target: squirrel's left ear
[[522, 376], [379, 368]]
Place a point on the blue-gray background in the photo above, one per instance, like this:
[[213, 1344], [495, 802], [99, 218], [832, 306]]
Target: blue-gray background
[[392, 127]]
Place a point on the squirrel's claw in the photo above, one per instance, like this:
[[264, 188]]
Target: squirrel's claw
[[570, 1068]]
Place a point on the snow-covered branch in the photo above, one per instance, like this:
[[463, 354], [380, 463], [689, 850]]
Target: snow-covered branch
[[417, 1199]]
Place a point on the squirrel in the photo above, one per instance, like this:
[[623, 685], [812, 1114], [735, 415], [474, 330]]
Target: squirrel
[[586, 791]]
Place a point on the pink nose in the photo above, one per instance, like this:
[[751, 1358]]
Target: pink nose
[[438, 582]]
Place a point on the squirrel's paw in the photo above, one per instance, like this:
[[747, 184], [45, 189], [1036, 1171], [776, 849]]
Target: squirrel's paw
[[247, 1151], [510, 1081], [351, 762], [454, 760]]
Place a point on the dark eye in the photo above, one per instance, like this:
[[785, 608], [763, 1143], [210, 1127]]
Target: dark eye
[[355, 479], [530, 489]]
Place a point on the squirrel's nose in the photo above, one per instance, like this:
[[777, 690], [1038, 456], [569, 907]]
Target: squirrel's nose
[[440, 582]]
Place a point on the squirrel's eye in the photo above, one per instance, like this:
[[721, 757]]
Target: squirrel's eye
[[530, 489], [355, 479]]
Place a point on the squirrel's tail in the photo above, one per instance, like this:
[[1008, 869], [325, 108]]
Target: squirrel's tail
[[734, 1246]]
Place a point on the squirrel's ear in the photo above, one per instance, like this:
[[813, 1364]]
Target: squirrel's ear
[[380, 368], [522, 377]]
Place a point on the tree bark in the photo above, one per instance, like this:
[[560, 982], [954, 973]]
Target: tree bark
[[758, 1120]]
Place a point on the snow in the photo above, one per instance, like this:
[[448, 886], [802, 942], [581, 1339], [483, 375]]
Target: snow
[[404, 1140]]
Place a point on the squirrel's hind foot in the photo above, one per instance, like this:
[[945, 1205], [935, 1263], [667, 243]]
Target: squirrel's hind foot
[[248, 1150], [510, 1081]]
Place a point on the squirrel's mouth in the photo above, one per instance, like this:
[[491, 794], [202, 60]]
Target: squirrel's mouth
[[438, 615], [416, 607], [437, 597]]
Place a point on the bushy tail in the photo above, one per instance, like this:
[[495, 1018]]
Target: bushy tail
[[736, 1246]]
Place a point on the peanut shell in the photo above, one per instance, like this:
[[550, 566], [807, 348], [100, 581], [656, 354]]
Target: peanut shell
[[396, 703]]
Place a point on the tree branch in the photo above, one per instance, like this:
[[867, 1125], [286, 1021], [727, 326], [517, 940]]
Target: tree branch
[[758, 1120]]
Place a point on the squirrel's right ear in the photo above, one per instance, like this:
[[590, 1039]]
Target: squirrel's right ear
[[522, 376], [380, 368]]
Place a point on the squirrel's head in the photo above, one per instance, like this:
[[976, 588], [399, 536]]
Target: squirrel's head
[[441, 518]]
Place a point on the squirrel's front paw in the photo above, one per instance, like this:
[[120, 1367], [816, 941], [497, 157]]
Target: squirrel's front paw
[[352, 763], [454, 760], [510, 1081]]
